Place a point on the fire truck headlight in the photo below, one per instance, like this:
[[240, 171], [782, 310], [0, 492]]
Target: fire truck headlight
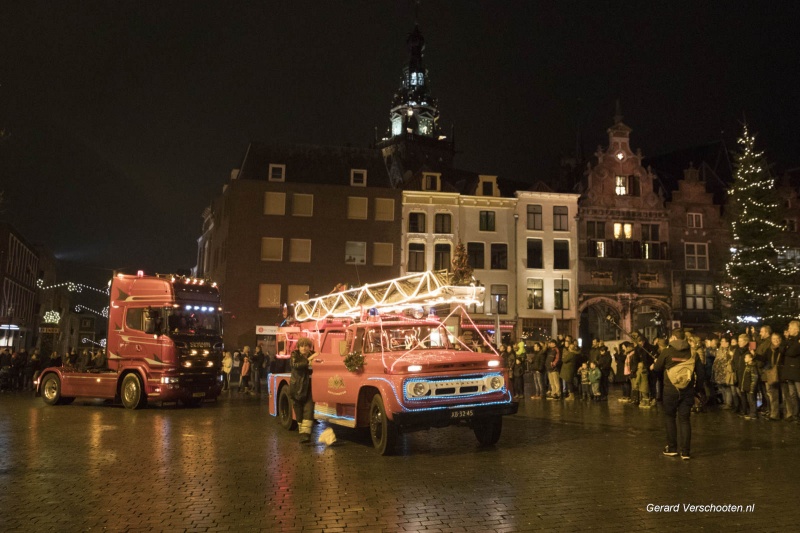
[[192, 352], [167, 380], [493, 363], [495, 382], [416, 389]]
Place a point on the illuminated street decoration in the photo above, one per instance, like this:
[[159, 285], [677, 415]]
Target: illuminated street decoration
[[70, 286], [103, 313], [87, 340], [52, 317]]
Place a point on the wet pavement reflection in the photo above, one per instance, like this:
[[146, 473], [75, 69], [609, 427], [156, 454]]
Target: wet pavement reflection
[[229, 466]]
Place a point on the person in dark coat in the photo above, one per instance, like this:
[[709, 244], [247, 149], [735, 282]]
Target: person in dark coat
[[738, 369], [552, 362], [537, 366], [300, 386], [677, 404], [257, 369], [790, 370], [604, 364]]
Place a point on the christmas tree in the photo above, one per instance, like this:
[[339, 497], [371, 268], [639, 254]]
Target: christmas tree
[[461, 271], [757, 276]]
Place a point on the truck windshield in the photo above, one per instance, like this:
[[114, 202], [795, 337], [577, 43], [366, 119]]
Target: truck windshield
[[194, 320], [404, 338]]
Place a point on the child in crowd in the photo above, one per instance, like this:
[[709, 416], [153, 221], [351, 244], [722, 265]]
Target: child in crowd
[[586, 385], [594, 379], [750, 379]]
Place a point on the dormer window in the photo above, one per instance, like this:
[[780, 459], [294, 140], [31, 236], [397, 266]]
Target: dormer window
[[277, 172], [358, 177], [430, 181], [487, 185]]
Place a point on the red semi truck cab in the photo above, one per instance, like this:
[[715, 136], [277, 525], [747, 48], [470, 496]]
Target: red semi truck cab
[[164, 344], [416, 373]]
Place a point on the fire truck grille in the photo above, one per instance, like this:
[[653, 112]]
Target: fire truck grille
[[415, 389]]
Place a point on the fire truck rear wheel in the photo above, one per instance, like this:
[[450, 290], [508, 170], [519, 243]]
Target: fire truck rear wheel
[[285, 409], [487, 430], [382, 430], [132, 393]]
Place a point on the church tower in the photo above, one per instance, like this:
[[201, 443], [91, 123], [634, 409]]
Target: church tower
[[414, 141]]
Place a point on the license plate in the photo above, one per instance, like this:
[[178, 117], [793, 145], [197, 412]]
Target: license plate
[[461, 413], [199, 395]]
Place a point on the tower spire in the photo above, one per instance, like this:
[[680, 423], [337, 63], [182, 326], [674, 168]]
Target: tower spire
[[618, 113]]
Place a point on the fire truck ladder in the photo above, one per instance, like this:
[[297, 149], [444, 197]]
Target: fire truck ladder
[[415, 289]]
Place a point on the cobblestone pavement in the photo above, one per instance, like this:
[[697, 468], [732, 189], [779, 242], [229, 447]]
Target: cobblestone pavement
[[228, 466]]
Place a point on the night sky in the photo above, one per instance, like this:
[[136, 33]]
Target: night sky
[[126, 117]]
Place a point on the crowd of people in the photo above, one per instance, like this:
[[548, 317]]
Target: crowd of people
[[755, 373], [19, 369]]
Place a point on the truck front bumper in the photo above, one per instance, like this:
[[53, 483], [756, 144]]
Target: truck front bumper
[[448, 416]]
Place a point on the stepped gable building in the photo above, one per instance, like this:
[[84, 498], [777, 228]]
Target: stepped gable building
[[624, 251]]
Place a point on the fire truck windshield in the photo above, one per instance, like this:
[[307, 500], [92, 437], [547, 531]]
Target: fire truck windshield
[[194, 320], [403, 338]]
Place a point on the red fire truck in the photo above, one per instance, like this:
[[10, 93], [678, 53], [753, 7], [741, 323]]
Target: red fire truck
[[416, 373], [164, 344]]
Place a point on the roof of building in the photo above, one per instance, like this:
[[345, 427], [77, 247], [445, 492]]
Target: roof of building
[[712, 161], [324, 165]]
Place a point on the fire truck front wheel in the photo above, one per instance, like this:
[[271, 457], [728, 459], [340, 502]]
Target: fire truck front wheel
[[285, 409], [487, 430], [382, 430], [133, 396]]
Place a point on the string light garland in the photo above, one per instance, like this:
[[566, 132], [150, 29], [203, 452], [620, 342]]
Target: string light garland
[[103, 313], [70, 285]]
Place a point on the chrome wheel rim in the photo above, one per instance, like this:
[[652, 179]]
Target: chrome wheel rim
[[50, 389]]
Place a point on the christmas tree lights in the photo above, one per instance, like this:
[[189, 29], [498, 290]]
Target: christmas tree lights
[[760, 272]]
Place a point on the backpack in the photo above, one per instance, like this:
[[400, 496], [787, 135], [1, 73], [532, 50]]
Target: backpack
[[681, 374]]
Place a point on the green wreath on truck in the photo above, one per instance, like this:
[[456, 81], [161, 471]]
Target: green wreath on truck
[[354, 361]]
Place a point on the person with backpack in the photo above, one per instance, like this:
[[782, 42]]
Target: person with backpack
[[682, 371]]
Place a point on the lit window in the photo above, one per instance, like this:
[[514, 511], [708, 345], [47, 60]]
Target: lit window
[[416, 223], [355, 253], [596, 234], [357, 207], [694, 220], [621, 185], [277, 172], [441, 257], [358, 177], [651, 247], [535, 293], [561, 293], [560, 221], [535, 217], [623, 231], [416, 257], [696, 256]]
